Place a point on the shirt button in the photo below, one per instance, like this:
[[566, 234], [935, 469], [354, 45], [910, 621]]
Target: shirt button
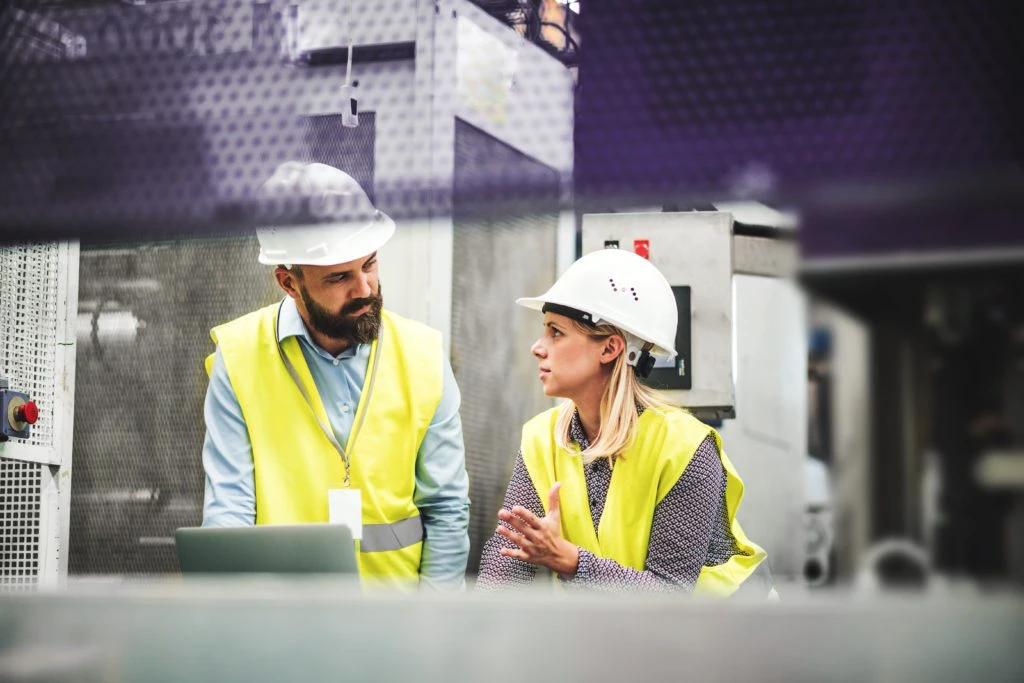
[[345, 408], [336, 361]]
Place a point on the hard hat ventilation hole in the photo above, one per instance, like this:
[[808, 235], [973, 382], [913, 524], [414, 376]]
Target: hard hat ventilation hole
[[611, 281], [635, 297]]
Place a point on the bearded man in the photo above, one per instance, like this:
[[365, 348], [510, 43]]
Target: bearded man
[[327, 407]]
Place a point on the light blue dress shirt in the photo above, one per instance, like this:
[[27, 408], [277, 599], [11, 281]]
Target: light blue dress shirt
[[442, 486]]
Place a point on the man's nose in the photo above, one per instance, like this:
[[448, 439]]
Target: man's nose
[[365, 289]]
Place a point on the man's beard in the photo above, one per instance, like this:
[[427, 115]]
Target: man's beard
[[341, 326]]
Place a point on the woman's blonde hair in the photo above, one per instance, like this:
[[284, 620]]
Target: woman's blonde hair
[[619, 402]]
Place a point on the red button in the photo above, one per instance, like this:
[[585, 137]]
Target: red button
[[642, 248], [27, 413]]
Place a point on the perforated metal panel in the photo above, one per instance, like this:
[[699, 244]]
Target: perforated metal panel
[[29, 288], [34, 289], [204, 87], [20, 512], [756, 97]]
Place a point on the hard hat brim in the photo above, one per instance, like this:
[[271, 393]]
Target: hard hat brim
[[533, 303], [370, 238], [537, 303]]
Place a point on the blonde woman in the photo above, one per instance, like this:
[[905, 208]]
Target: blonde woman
[[617, 488]]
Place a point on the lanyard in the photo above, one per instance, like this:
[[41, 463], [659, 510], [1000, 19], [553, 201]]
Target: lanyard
[[328, 432]]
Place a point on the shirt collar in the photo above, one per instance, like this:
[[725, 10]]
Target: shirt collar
[[290, 324], [577, 434]]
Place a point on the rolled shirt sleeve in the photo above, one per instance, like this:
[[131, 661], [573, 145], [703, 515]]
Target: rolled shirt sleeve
[[230, 486]]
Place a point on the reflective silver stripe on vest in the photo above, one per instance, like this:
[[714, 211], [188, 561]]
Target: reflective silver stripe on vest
[[380, 537]]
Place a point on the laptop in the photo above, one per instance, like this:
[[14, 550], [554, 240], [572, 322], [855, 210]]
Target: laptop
[[267, 549]]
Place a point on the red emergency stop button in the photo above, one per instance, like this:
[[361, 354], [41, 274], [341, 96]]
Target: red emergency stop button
[[642, 248], [27, 413]]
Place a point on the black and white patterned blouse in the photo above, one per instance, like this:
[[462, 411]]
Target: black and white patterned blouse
[[690, 529]]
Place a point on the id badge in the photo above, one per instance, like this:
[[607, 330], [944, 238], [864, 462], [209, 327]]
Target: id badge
[[345, 506]]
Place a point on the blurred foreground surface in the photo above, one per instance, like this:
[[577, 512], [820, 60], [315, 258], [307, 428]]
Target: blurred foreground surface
[[271, 630]]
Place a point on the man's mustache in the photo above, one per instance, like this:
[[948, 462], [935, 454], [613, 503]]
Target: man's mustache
[[356, 304]]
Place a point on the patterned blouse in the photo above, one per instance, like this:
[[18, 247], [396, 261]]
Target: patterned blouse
[[689, 531]]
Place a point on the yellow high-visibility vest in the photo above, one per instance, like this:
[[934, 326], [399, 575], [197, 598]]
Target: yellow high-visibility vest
[[295, 463], [665, 442]]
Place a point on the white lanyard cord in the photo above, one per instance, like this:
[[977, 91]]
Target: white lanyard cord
[[328, 432]]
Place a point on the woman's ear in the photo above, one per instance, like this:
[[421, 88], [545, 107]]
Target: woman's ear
[[613, 347]]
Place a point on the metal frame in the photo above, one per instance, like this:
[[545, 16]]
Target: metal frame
[[56, 488], [906, 261]]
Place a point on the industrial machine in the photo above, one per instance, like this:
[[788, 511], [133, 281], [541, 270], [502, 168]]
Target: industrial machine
[[457, 126]]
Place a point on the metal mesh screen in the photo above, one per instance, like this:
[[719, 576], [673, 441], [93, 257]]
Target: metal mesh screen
[[145, 315], [143, 332], [496, 258], [20, 511], [329, 142], [28, 308]]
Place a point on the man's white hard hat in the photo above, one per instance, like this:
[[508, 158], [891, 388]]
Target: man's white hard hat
[[343, 225]]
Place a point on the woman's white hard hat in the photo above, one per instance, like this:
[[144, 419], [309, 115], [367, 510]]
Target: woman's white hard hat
[[343, 223], [617, 287]]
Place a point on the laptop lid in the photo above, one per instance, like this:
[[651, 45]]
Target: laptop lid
[[274, 549]]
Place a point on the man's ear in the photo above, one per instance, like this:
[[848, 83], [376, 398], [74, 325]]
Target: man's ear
[[288, 281], [614, 346]]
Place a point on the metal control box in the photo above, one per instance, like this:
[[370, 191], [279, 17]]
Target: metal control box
[[695, 253]]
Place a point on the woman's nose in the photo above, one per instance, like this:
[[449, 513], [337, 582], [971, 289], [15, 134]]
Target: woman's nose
[[538, 348]]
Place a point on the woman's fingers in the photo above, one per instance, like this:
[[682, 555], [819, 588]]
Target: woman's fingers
[[530, 519], [514, 553], [516, 521], [553, 506], [511, 535]]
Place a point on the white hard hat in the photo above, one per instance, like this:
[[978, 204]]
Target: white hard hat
[[343, 224], [619, 288]]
